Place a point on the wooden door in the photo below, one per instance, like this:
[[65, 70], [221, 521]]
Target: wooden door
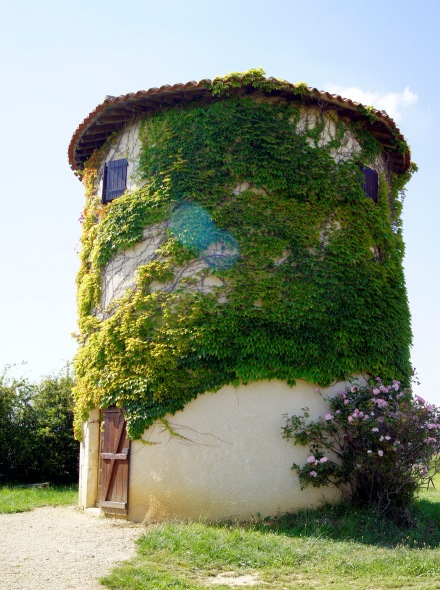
[[115, 447]]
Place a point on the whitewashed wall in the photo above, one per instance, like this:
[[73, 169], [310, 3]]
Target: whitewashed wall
[[232, 462]]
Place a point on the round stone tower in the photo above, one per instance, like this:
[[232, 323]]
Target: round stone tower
[[241, 259]]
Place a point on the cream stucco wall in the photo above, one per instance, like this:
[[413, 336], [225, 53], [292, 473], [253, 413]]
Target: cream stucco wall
[[232, 462], [89, 462]]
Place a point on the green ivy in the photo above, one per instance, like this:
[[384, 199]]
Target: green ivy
[[309, 277], [255, 78]]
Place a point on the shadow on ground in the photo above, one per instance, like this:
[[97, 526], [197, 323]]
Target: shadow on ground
[[416, 528]]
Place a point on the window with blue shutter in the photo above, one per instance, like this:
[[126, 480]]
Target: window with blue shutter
[[370, 184], [115, 179]]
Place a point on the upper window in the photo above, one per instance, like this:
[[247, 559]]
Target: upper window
[[370, 184], [115, 179]]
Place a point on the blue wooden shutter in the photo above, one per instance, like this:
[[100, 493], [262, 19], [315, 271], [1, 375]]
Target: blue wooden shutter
[[115, 179], [371, 183]]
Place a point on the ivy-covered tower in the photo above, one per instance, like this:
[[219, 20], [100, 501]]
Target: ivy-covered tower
[[241, 258]]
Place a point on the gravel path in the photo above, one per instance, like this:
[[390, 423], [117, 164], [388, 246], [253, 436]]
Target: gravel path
[[61, 549]]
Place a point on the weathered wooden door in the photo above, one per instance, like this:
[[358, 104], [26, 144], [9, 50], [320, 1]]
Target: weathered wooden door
[[115, 456]]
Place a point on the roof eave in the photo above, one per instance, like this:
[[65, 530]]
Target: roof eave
[[114, 113]]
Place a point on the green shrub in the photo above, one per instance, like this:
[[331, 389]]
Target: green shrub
[[378, 445], [36, 435]]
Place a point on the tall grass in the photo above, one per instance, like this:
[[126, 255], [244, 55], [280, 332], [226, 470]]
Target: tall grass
[[23, 498]]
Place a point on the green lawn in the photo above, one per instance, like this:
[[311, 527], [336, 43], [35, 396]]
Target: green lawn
[[22, 498], [335, 547]]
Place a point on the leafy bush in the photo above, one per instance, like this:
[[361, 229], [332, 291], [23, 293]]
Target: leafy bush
[[36, 432], [378, 444], [18, 458], [53, 403]]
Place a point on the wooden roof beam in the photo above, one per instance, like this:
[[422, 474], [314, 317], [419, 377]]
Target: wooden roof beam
[[116, 120], [100, 129], [93, 140]]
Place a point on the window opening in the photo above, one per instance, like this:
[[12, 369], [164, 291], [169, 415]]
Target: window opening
[[115, 179], [370, 184]]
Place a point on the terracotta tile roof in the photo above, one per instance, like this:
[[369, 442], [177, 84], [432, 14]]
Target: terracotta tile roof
[[114, 113]]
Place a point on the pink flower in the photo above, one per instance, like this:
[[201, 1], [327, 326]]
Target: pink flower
[[376, 391], [381, 403], [313, 474], [346, 401], [378, 379], [369, 452], [328, 417], [375, 430], [384, 389], [396, 384], [420, 400], [311, 459], [350, 419], [338, 412], [324, 460], [388, 438], [380, 453], [353, 389]]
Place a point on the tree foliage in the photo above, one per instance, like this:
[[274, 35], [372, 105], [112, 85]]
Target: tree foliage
[[36, 430]]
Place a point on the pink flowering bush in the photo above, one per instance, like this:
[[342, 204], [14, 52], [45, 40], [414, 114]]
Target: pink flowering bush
[[378, 444]]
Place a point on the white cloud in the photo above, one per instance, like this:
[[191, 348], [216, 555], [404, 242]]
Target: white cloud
[[391, 102]]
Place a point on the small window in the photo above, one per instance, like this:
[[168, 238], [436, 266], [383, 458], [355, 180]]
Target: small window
[[370, 183], [115, 180]]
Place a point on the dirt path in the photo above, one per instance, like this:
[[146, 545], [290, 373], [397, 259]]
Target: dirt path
[[61, 549]]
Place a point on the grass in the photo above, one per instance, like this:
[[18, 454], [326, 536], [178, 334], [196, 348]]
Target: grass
[[335, 547], [23, 498]]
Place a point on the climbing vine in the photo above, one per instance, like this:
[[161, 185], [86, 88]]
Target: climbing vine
[[270, 262], [222, 85]]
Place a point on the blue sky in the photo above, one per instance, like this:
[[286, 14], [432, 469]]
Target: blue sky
[[59, 60]]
